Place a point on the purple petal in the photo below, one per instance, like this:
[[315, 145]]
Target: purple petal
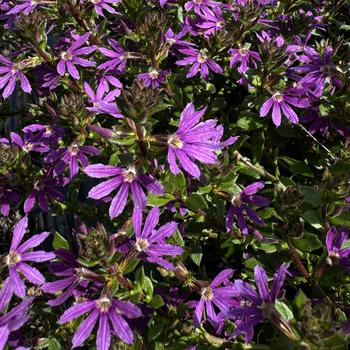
[[261, 281], [103, 337], [6, 293], [33, 242], [85, 328], [278, 281], [38, 256], [31, 273], [101, 170], [121, 327], [17, 284], [127, 308], [223, 276], [19, 232], [77, 310], [105, 188], [151, 222], [119, 201]]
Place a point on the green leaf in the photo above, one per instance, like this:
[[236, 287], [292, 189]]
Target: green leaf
[[156, 302], [249, 121], [341, 220], [158, 201], [284, 310], [155, 330], [313, 218], [54, 344], [300, 300], [196, 253], [147, 286], [308, 242], [196, 201], [297, 167], [59, 242]]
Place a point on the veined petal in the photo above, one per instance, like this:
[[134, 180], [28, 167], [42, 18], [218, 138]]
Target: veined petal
[[16, 282], [85, 328], [105, 188], [33, 242], [77, 310], [129, 309], [19, 232], [261, 281], [223, 276], [37, 256], [119, 201], [121, 327], [31, 273], [101, 170], [103, 337], [151, 222]]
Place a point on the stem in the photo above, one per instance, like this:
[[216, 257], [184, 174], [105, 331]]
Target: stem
[[257, 168], [298, 263], [335, 159]]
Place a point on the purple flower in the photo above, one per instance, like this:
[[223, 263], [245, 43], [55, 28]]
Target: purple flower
[[199, 6], [109, 312], [257, 306], [10, 72], [240, 203], [300, 51], [150, 243], [13, 320], [200, 62], [103, 104], [318, 72], [212, 21], [44, 189], [124, 179], [101, 5], [336, 253], [29, 143], [70, 57], [173, 40], [70, 156], [17, 259], [215, 295], [280, 102], [44, 133], [6, 195], [73, 275], [119, 57], [26, 6], [194, 140], [244, 56], [154, 77]]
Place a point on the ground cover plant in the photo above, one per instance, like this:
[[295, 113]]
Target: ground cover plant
[[174, 174]]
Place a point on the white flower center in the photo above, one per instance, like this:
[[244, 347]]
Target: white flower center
[[175, 141]]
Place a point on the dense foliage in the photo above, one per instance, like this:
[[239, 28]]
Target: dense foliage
[[174, 174]]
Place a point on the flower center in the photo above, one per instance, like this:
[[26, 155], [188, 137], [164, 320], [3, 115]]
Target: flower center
[[219, 24], [267, 309], [201, 58], [130, 174], [95, 1], [141, 244], [74, 149], [243, 51], [104, 304], [175, 141], [67, 56], [153, 73], [236, 200], [278, 97], [207, 293], [12, 259], [27, 147]]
